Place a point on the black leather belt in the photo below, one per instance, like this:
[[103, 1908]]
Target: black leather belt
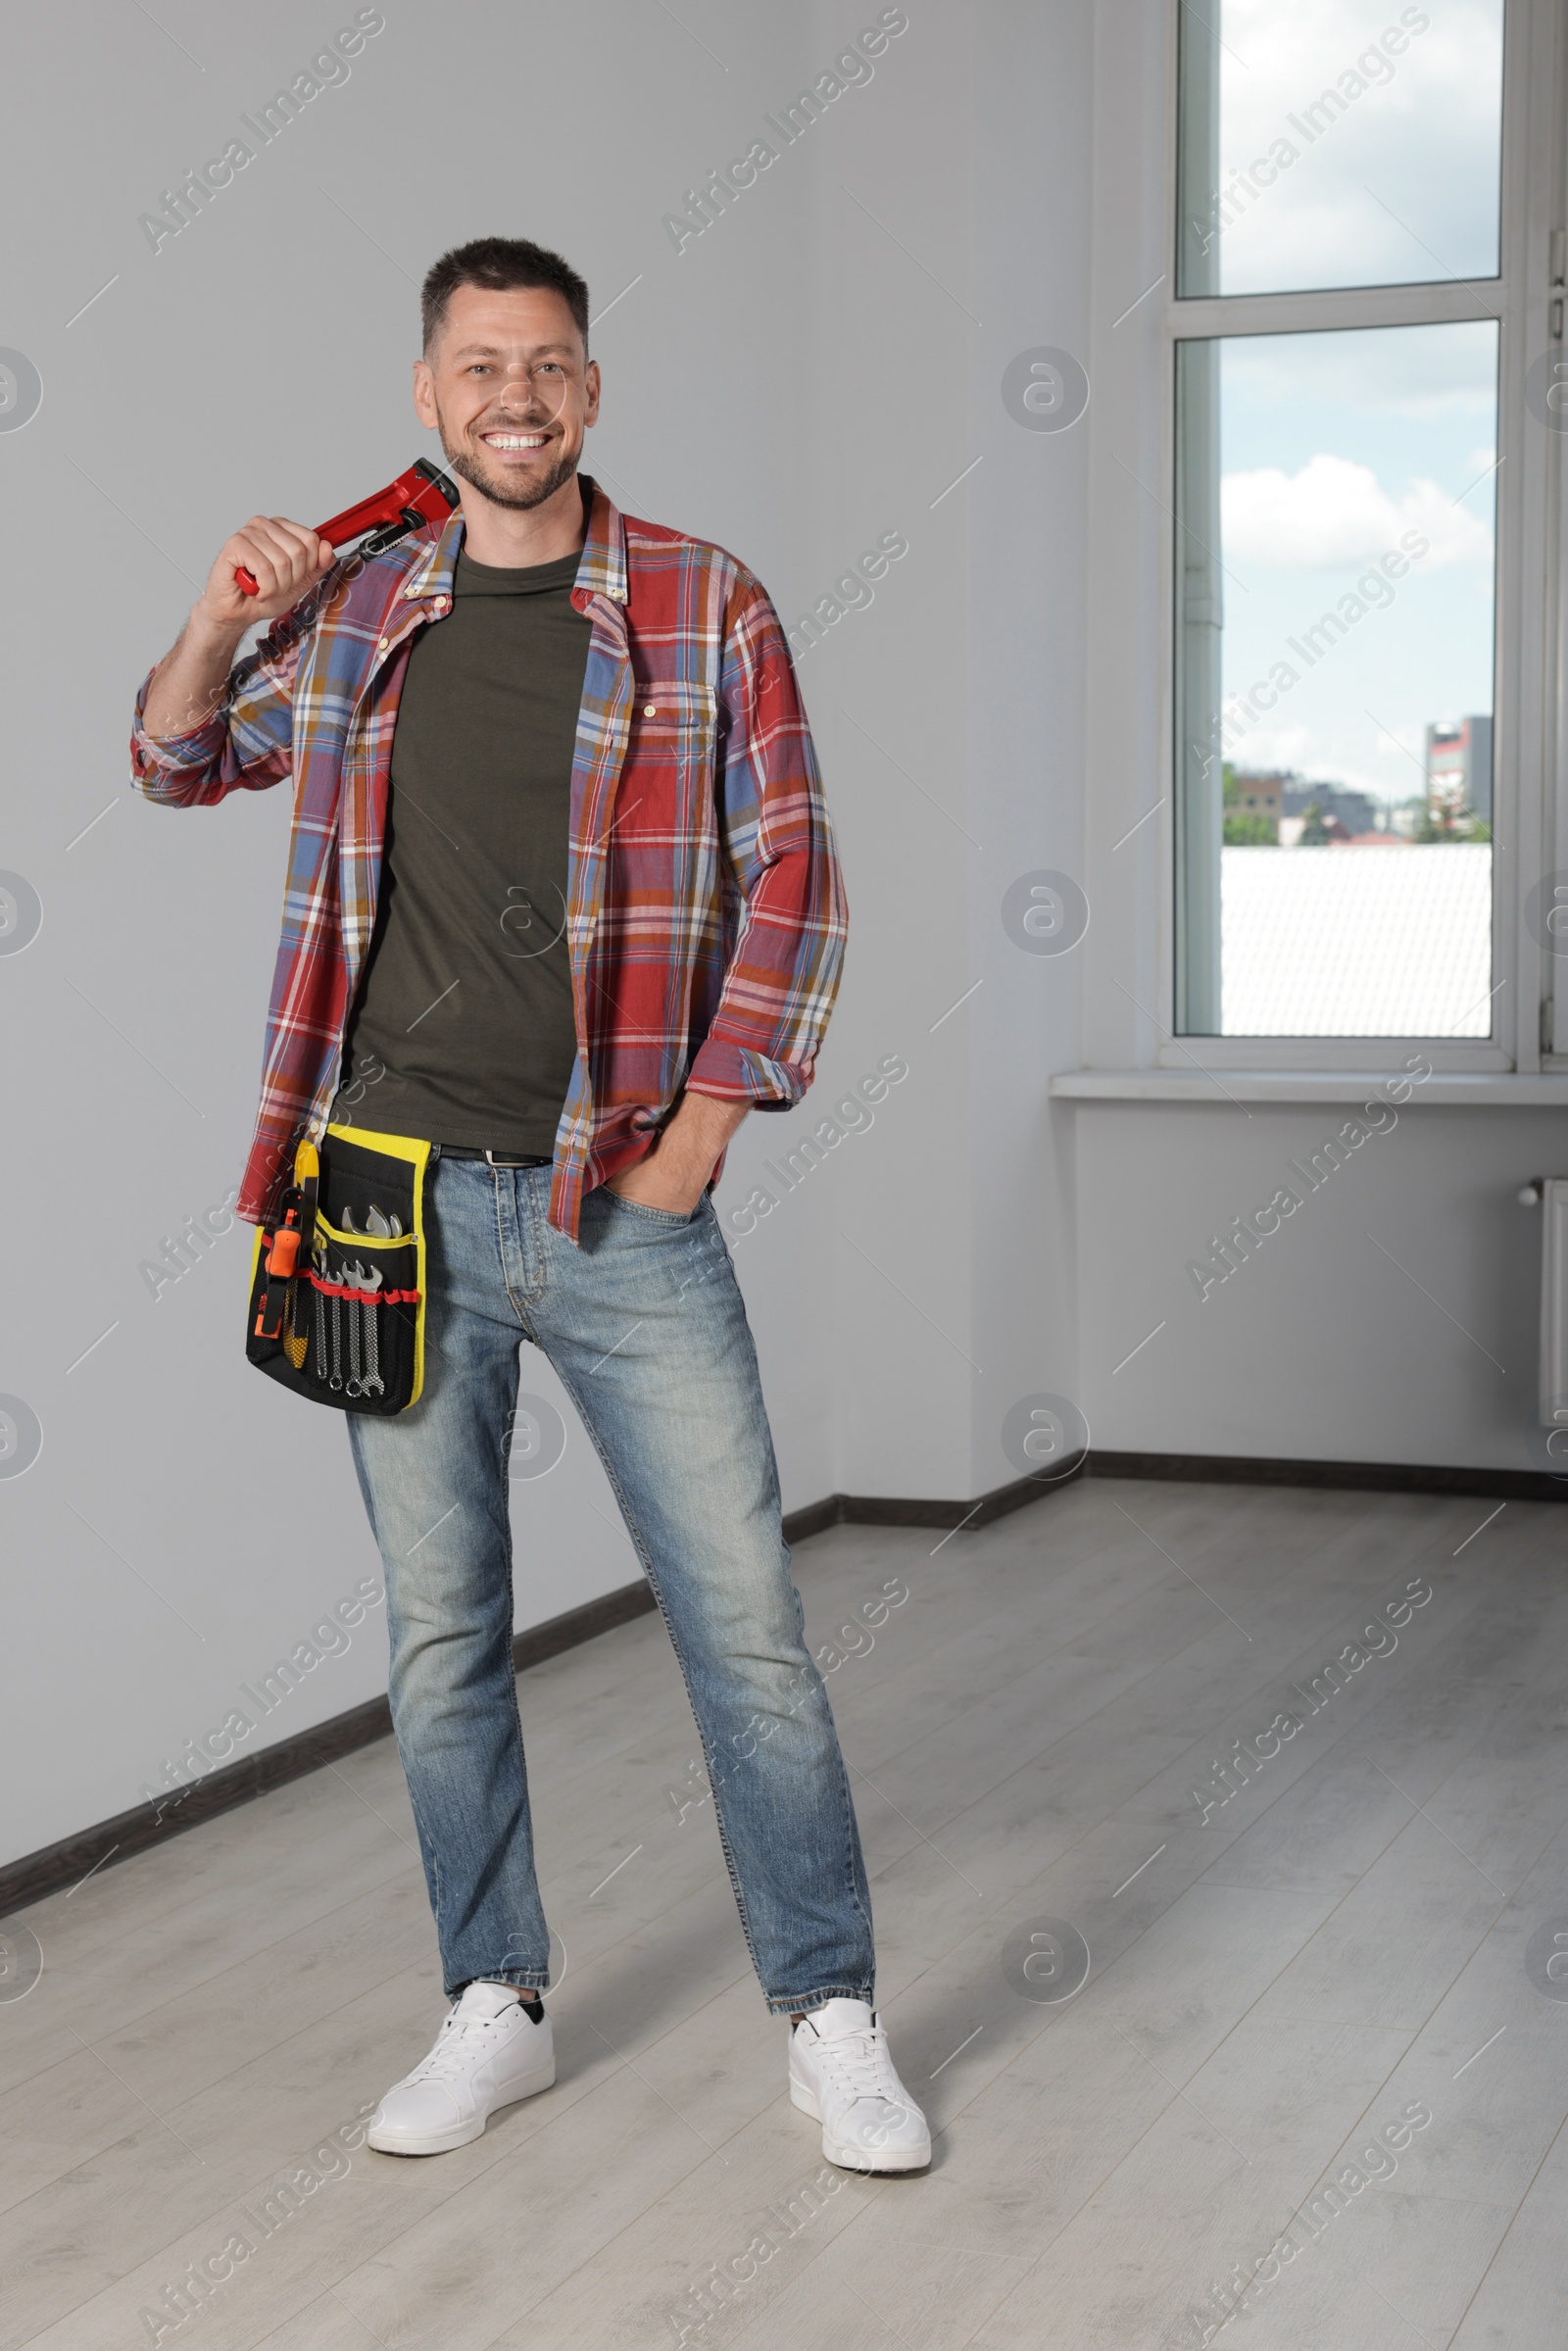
[[455, 1151]]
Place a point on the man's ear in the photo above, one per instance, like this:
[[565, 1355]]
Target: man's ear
[[425, 392]]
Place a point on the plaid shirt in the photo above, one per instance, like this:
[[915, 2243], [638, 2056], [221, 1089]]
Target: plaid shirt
[[706, 912]]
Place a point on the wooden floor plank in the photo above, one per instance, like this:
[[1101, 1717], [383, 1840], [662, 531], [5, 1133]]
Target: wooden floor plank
[[1350, 1934]]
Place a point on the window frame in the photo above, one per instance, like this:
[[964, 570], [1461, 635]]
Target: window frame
[[1530, 787]]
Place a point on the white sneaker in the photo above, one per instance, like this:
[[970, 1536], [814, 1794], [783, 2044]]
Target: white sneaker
[[488, 2054], [841, 2073]]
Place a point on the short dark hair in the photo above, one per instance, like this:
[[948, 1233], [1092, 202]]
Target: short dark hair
[[499, 263]]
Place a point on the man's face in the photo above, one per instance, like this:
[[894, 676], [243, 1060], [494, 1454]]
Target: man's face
[[506, 386]]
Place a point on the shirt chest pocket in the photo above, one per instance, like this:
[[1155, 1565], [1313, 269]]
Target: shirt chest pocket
[[668, 777], [668, 711]]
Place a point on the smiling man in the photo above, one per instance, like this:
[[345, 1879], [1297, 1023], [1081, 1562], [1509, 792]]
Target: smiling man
[[563, 901]]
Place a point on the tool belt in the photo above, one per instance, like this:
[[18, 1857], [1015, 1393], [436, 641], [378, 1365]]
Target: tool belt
[[337, 1280]]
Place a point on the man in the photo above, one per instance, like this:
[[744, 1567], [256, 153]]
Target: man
[[563, 901]]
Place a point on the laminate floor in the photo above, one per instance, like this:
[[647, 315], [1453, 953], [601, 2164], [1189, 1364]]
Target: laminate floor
[[1218, 1841]]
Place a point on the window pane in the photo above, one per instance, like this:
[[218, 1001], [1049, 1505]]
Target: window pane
[[1345, 143], [1334, 676]]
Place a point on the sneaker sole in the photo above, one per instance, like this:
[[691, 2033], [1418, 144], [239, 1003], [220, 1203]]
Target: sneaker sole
[[858, 2159], [461, 2135]]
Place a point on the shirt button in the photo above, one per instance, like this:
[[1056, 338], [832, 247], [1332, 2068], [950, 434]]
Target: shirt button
[[648, 709], [382, 643], [443, 603]]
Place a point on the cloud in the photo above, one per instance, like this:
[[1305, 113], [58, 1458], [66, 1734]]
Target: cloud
[[1266, 751], [1334, 511], [1403, 185], [1447, 77], [1421, 372]]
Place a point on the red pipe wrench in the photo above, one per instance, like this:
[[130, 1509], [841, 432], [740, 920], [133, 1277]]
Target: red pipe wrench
[[421, 495]]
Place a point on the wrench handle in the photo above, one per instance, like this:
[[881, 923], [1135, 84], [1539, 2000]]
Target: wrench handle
[[420, 495]]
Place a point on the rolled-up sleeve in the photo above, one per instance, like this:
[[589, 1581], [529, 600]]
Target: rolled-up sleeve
[[783, 974], [248, 742]]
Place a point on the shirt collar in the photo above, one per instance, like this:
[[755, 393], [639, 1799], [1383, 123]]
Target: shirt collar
[[601, 571]]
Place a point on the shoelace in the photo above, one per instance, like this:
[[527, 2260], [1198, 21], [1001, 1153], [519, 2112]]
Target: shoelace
[[450, 2055], [861, 2064]]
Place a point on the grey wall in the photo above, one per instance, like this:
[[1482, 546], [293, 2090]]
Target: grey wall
[[795, 383], [812, 372], [1395, 1317]]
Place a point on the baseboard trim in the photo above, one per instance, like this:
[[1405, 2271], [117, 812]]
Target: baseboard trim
[[34, 1875], [897, 1510], [73, 1858], [1355, 1477]]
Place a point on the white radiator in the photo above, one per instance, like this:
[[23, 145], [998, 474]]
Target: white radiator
[[1553, 1192]]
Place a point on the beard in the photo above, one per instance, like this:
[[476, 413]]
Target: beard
[[498, 488]]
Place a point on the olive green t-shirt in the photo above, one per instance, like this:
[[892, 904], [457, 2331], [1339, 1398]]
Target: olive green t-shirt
[[463, 1031]]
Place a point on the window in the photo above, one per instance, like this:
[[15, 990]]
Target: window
[[1362, 272], [1345, 143]]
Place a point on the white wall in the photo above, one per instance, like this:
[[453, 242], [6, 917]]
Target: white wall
[[810, 373]]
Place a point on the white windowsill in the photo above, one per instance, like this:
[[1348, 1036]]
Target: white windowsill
[[1503, 1088]]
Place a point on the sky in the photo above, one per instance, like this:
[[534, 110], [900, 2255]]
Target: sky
[[1335, 445], [1400, 186]]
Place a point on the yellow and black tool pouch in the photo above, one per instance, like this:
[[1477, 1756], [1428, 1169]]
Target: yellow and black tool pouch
[[338, 1281]]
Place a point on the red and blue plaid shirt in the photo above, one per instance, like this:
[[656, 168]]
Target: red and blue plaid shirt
[[705, 913]]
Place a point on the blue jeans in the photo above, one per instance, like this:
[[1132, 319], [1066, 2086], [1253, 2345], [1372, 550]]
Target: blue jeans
[[644, 1323]]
